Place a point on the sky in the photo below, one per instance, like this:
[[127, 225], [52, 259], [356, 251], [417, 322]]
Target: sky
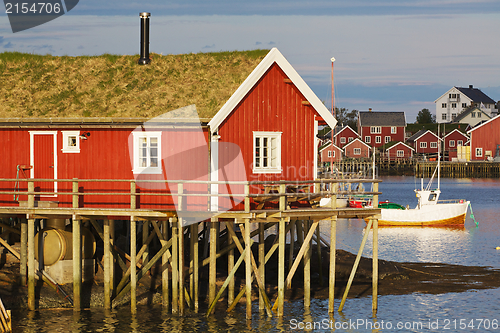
[[391, 55]]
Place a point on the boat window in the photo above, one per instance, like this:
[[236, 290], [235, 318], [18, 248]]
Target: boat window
[[432, 197]]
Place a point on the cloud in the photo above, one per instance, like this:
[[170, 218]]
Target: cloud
[[208, 47], [1, 39], [9, 45], [258, 43]]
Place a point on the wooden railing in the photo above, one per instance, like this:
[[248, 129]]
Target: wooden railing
[[253, 191]]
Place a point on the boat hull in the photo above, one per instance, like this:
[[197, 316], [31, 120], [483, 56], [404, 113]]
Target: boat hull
[[431, 215]]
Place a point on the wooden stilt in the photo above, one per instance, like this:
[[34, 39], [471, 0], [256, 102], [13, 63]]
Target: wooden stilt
[[230, 266], [77, 263], [145, 235], [31, 264], [212, 275], [164, 265], [107, 265], [31, 248], [112, 257], [133, 267], [281, 268], [262, 264], [292, 245], [375, 267], [175, 267], [307, 268], [248, 269], [24, 251], [181, 267], [194, 277], [318, 245], [333, 238], [356, 263]]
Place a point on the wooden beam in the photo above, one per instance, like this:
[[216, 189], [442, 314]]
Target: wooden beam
[[133, 267], [331, 286], [77, 263]]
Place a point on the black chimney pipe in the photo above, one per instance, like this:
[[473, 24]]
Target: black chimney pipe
[[144, 59]]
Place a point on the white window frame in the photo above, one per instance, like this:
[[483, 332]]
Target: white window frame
[[460, 143], [443, 116], [479, 152], [66, 146], [368, 139], [443, 105], [148, 169], [400, 153], [329, 153], [342, 139], [356, 151], [434, 144], [451, 143], [375, 129], [276, 168], [394, 129], [387, 139], [423, 144], [349, 139], [378, 139]]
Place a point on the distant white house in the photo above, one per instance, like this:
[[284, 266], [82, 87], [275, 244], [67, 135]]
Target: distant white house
[[458, 99]]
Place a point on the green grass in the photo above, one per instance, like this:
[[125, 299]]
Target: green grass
[[114, 85]]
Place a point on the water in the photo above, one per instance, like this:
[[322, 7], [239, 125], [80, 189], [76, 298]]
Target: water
[[475, 310]]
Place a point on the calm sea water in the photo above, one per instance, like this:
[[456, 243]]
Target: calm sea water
[[475, 310]]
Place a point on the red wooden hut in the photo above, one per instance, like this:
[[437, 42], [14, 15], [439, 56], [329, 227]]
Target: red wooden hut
[[273, 118], [102, 149], [485, 139], [330, 153], [344, 136], [357, 149], [425, 142], [398, 151], [453, 140]]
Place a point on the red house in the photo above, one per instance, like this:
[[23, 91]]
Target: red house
[[379, 128], [344, 136], [330, 153], [453, 140], [485, 140], [398, 151], [106, 149], [357, 149], [273, 117], [425, 142]]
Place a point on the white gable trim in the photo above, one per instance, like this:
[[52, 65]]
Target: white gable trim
[[274, 56], [416, 139], [399, 143], [455, 130], [357, 139]]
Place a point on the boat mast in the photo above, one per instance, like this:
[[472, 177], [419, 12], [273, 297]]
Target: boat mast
[[439, 159]]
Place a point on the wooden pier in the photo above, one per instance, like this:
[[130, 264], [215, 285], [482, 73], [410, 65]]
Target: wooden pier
[[459, 169], [190, 239]]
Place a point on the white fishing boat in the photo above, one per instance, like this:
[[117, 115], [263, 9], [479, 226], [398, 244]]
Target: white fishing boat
[[430, 211]]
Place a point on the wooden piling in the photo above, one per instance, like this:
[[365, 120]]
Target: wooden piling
[[24, 251], [107, 265], [262, 264], [375, 267], [194, 265], [133, 265], [164, 265], [333, 245], [77, 263], [175, 267], [248, 269], [212, 275], [281, 267], [111, 258], [31, 247], [307, 268], [230, 264]]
